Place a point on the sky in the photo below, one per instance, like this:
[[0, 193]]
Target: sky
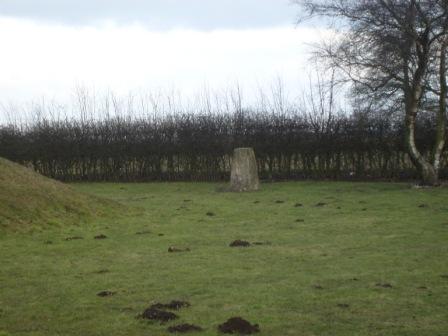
[[51, 47]]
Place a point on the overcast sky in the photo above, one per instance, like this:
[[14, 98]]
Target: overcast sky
[[51, 46], [157, 14]]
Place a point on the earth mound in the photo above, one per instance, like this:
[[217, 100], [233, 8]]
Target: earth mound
[[239, 243], [158, 315], [174, 249], [105, 293], [184, 328], [173, 305], [238, 325], [29, 200]]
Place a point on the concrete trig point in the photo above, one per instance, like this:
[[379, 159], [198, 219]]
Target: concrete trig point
[[244, 173]]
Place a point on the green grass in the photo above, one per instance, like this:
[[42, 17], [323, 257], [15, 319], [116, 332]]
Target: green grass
[[29, 201], [379, 235]]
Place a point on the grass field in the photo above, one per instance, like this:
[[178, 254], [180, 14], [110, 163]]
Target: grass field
[[372, 259]]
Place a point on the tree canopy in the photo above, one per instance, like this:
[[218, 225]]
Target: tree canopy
[[394, 53]]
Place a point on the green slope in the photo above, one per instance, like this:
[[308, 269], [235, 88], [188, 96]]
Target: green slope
[[29, 200]]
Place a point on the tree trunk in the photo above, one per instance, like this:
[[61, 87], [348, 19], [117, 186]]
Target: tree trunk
[[429, 175], [439, 144], [413, 93]]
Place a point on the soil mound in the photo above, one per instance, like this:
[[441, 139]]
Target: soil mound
[[174, 249], [105, 293], [184, 328], [238, 325], [73, 238], [158, 315], [384, 285], [173, 305], [239, 243]]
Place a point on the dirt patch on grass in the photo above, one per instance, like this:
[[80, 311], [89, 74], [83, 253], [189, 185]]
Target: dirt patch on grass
[[157, 311], [105, 294], [210, 214], [173, 305], [238, 325], [279, 202], [155, 314], [320, 204], [136, 199], [100, 237], [384, 285], [145, 232], [184, 328], [422, 206], [174, 249], [298, 205], [239, 243], [73, 238]]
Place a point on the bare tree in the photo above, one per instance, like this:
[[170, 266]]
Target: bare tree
[[393, 51]]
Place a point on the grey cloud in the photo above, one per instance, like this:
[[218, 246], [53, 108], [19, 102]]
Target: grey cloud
[[159, 14]]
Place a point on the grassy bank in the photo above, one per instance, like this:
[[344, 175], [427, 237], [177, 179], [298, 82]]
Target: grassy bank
[[339, 259], [30, 202]]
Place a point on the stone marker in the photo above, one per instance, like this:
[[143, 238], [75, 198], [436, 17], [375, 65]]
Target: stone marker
[[244, 174]]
